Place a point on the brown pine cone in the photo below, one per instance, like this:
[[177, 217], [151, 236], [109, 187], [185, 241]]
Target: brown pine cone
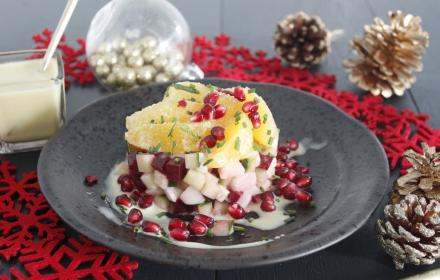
[[301, 40]]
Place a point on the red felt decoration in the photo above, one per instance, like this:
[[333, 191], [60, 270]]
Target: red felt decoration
[[30, 230]]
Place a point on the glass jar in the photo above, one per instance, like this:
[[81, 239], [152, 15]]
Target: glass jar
[[32, 101], [136, 42]]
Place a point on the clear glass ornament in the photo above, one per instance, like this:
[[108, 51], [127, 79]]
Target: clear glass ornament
[[136, 42]]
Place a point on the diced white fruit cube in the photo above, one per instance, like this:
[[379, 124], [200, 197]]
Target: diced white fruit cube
[[144, 162], [173, 193], [222, 193], [211, 190], [222, 228], [220, 208], [253, 161], [202, 169], [160, 180], [233, 169], [271, 170], [192, 161], [205, 208], [191, 196], [157, 191], [148, 180], [263, 181], [161, 201], [195, 179], [245, 199], [243, 182]]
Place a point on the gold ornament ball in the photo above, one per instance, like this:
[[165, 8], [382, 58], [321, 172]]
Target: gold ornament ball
[[174, 68], [135, 61], [149, 55], [96, 60], [119, 44], [102, 70], [105, 47], [111, 79], [126, 76], [148, 42], [132, 50], [160, 62], [111, 58], [145, 74], [162, 77]]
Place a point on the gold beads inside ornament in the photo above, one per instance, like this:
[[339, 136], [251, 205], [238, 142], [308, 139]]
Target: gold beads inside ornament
[[123, 65]]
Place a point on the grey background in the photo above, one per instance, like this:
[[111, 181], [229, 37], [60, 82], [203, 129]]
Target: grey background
[[251, 23]]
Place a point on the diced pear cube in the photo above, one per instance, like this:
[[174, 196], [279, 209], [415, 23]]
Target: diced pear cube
[[205, 208], [173, 193], [244, 182], [233, 169], [222, 193], [161, 201], [144, 162], [195, 179], [191, 196], [160, 180], [211, 187], [192, 161], [148, 180]]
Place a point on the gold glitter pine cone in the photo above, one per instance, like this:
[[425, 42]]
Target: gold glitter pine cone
[[410, 232], [302, 40], [388, 55]]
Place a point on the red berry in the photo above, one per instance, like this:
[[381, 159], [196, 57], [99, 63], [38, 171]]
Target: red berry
[[267, 196], [219, 111], [151, 227], [159, 161], [233, 196], [282, 172], [255, 119], [304, 170], [126, 183], [291, 175], [197, 228], [304, 181], [249, 107], [283, 148], [123, 200], [265, 161], [293, 144], [281, 156], [180, 234], [134, 216], [280, 164], [207, 112], [209, 141], [236, 211], [211, 98], [206, 220], [135, 195], [177, 223], [289, 191], [196, 117], [267, 206], [90, 180], [303, 196], [218, 132], [145, 201], [182, 103], [239, 94], [291, 163], [281, 182]]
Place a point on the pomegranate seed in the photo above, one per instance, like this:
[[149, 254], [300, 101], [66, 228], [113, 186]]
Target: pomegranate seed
[[219, 111], [134, 216], [159, 161], [196, 117], [211, 98], [304, 181], [291, 175], [304, 170], [265, 161], [267, 196], [180, 234], [282, 156], [289, 191], [207, 112], [206, 220], [303, 196], [233, 196], [284, 148], [197, 228], [126, 183], [255, 119], [293, 144], [218, 132], [277, 192], [90, 180], [135, 195], [177, 223], [182, 103], [145, 201], [209, 141], [227, 91], [282, 172], [291, 163], [249, 107], [123, 200], [239, 94], [280, 164], [236, 211], [281, 182], [267, 206], [257, 198], [148, 226]]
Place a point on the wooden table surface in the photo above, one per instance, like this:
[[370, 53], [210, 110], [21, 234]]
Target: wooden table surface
[[251, 23]]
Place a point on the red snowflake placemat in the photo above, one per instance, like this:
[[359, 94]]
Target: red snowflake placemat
[[30, 231]]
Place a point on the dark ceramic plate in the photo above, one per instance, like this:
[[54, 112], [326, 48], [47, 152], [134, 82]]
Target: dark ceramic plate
[[350, 175]]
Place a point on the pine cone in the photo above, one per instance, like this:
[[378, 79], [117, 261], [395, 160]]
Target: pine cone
[[423, 178], [388, 55], [301, 40], [411, 231]]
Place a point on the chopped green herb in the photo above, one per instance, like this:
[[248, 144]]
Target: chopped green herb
[[252, 90], [189, 113], [187, 129], [270, 140], [152, 121], [165, 239], [289, 220], [208, 161], [154, 149], [237, 117], [205, 149], [172, 184], [277, 199], [244, 124], [212, 87], [245, 163], [237, 144], [312, 204], [249, 219], [192, 99], [261, 189], [290, 212], [210, 234], [239, 228], [103, 196], [162, 120], [256, 147], [220, 144], [122, 209], [265, 118], [265, 238], [257, 100], [173, 147], [136, 229], [161, 214], [274, 177], [170, 133], [269, 132], [191, 88]]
